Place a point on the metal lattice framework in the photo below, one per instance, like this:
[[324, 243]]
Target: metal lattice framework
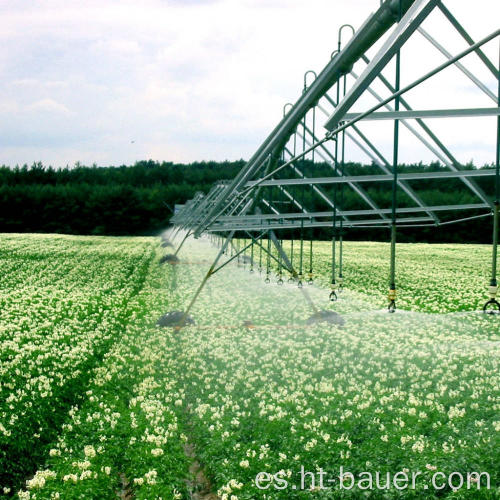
[[277, 189]]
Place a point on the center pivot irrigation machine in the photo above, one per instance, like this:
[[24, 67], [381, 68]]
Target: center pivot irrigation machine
[[273, 193]]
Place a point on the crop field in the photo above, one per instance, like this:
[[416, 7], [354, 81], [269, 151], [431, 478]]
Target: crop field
[[98, 402]]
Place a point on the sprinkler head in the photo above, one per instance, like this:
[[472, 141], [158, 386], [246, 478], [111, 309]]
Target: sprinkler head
[[491, 307], [324, 316], [174, 319], [170, 258]]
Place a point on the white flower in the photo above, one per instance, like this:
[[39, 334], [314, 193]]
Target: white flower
[[89, 451]]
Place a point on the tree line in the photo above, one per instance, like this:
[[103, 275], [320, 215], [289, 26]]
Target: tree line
[[139, 199]]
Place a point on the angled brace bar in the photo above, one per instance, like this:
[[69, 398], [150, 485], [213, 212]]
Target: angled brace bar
[[318, 191], [222, 250], [463, 33], [292, 199], [458, 64]]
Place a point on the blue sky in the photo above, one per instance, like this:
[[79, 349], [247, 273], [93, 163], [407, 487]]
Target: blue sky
[[114, 82]]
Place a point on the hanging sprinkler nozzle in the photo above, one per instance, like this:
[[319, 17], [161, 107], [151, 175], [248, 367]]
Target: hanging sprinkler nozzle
[[492, 306], [340, 281], [333, 294], [392, 300], [300, 278]]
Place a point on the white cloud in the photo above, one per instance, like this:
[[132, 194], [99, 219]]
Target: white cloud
[[48, 106]]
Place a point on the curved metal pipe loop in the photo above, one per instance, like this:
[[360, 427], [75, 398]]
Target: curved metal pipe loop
[[335, 52], [284, 107], [491, 307], [392, 306], [280, 280], [333, 296], [340, 34], [305, 77], [299, 284], [267, 280]]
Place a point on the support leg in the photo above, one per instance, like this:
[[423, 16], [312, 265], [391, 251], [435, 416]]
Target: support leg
[[182, 322], [493, 303], [188, 233], [392, 279], [493, 288]]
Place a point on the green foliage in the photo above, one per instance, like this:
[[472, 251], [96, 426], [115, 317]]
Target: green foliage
[[138, 199], [97, 401]]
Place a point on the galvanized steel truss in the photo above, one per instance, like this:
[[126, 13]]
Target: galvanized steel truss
[[269, 192]]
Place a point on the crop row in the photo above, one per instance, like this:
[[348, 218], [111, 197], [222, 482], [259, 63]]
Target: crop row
[[65, 300], [125, 437]]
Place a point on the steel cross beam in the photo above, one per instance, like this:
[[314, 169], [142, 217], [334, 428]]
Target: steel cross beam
[[427, 113], [483, 172], [351, 213], [297, 224]]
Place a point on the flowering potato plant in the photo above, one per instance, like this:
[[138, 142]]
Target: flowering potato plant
[[100, 402]]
